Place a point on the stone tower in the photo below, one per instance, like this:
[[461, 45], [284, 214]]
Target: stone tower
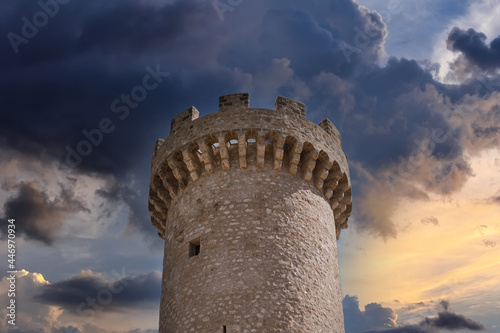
[[250, 203]]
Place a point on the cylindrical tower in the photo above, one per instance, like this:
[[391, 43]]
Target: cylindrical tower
[[250, 203]]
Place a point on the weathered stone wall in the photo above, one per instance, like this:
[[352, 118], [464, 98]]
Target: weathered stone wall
[[267, 261], [264, 194]]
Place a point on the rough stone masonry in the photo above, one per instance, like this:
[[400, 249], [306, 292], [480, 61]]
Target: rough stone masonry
[[250, 203]]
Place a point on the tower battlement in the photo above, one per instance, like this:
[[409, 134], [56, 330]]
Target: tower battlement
[[281, 139], [234, 102], [244, 197]]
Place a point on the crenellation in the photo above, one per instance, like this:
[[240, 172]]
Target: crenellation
[[330, 128], [289, 105], [265, 195], [158, 144], [234, 102], [183, 118]]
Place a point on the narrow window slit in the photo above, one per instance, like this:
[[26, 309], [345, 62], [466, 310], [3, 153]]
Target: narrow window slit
[[194, 247]]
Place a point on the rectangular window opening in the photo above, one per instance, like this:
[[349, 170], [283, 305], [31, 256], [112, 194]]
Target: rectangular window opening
[[194, 247], [224, 329]]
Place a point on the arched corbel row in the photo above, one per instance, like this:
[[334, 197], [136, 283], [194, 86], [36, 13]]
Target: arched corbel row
[[282, 153]]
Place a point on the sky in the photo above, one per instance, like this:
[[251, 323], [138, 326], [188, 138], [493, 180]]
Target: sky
[[413, 87]]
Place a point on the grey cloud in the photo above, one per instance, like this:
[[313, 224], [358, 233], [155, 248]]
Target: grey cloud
[[489, 243], [494, 199], [66, 329], [430, 220], [414, 306], [126, 292], [374, 316], [405, 329], [38, 217], [452, 321], [357, 321], [472, 44], [92, 328], [420, 138], [118, 193]]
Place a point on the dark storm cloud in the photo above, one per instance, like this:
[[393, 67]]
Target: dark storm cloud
[[65, 79], [411, 133], [391, 114], [37, 216], [127, 292], [452, 321], [118, 27], [472, 44], [349, 36], [63, 82], [383, 320]]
